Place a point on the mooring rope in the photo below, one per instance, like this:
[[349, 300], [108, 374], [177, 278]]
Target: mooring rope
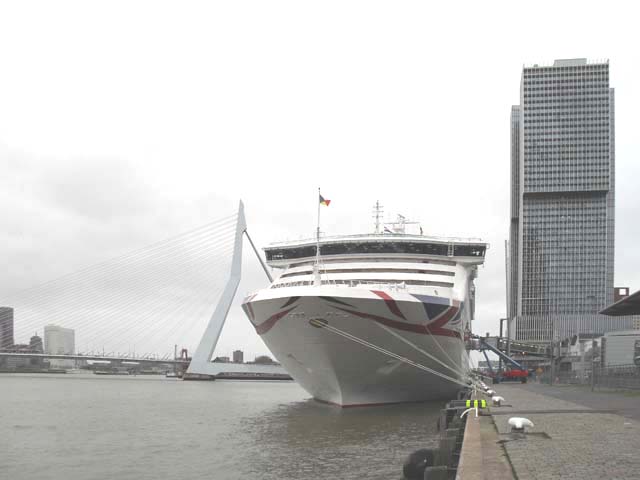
[[323, 324]]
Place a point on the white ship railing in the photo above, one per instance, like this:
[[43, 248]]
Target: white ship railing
[[385, 236], [398, 286]]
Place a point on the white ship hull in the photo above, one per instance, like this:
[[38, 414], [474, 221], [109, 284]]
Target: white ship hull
[[340, 371]]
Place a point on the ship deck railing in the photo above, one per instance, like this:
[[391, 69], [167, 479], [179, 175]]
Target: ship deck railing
[[399, 286]]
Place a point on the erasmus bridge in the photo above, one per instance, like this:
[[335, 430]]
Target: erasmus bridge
[[175, 291]]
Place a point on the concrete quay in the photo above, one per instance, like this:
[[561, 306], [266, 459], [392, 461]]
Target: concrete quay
[[595, 435]]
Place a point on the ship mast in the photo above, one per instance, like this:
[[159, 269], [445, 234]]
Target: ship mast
[[316, 268], [377, 215]]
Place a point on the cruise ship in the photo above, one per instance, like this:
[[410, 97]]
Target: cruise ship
[[371, 319]]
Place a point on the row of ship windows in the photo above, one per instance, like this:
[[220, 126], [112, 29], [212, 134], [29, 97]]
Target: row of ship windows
[[371, 270], [356, 283], [329, 261], [351, 248]]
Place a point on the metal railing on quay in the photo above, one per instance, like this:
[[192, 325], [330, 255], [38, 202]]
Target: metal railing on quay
[[621, 377]]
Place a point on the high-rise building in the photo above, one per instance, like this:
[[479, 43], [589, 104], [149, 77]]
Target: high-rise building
[[6, 328], [238, 356], [561, 248], [59, 340], [35, 343]]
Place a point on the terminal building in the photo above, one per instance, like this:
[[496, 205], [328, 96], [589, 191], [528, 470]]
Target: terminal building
[[623, 347], [560, 253]]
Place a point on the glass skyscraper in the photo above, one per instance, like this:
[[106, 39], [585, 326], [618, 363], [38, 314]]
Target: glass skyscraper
[[561, 248]]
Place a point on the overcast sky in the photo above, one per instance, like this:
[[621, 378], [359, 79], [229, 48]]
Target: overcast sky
[[122, 123]]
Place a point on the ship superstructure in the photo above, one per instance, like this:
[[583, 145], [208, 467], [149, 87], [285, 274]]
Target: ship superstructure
[[411, 295]]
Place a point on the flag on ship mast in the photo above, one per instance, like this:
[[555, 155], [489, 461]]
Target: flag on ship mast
[[316, 269], [324, 201]]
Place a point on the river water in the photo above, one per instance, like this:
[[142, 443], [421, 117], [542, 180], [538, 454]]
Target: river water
[[82, 426]]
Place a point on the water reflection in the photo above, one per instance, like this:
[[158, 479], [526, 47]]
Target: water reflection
[[80, 427], [311, 440]]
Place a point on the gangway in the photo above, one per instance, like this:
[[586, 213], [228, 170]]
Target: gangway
[[483, 346]]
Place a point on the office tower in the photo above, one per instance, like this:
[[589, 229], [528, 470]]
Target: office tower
[[59, 340], [238, 356], [561, 249], [35, 343], [6, 328]]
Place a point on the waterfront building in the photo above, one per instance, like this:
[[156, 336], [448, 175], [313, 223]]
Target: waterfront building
[[6, 328], [263, 360], [561, 249], [36, 345], [238, 356], [59, 340], [621, 348]]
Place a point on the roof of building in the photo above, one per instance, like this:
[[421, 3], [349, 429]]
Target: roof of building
[[626, 306]]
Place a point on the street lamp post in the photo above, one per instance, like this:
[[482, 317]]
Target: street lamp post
[[553, 349], [593, 364]]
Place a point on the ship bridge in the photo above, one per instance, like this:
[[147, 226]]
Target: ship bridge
[[377, 246]]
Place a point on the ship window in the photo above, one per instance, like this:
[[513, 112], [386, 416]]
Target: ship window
[[351, 248], [468, 250], [371, 270], [413, 248], [288, 253], [384, 247], [356, 283]]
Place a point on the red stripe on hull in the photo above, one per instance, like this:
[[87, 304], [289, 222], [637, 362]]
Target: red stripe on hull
[[409, 327], [268, 324], [390, 302]]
